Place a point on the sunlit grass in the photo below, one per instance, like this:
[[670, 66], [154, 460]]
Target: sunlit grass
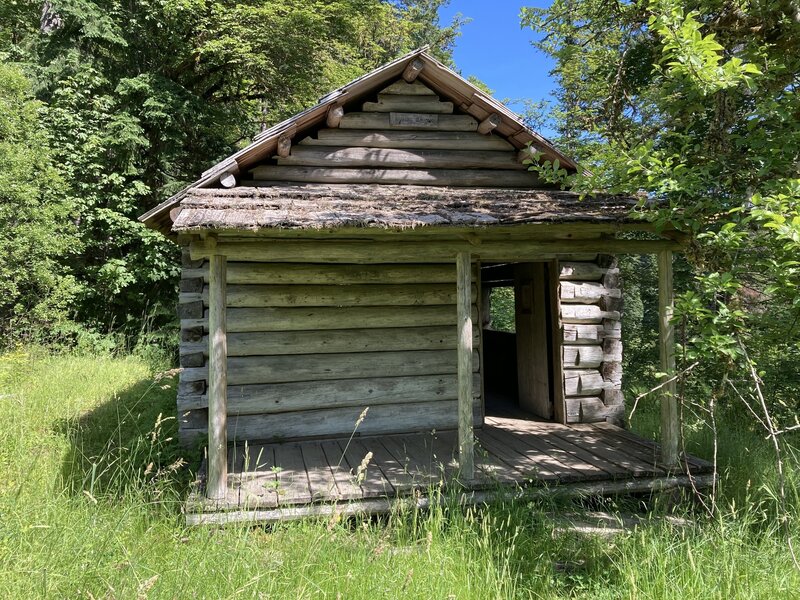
[[90, 506]]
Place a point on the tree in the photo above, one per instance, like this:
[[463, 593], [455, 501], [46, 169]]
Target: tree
[[35, 231], [141, 97], [694, 106]]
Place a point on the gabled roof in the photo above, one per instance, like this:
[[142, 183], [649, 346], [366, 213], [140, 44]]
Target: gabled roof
[[465, 96]]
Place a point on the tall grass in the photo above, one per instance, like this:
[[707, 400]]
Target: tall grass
[[91, 484]]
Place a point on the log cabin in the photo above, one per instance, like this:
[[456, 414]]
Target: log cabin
[[337, 347]]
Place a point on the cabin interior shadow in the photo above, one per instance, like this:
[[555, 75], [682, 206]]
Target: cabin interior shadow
[[516, 315]]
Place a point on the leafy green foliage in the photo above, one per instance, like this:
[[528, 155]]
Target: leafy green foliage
[[141, 97], [501, 307], [694, 107], [35, 230]]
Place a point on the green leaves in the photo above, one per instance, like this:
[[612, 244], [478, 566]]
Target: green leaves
[[692, 56], [695, 108]]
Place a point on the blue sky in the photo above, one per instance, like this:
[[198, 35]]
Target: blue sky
[[495, 49]]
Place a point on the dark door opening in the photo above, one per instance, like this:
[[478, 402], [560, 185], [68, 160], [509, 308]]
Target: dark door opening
[[517, 339]]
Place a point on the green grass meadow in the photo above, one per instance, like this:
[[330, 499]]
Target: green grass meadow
[[91, 484]]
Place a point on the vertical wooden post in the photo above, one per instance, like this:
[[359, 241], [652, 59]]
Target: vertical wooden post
[[466, 450], [217, 482], [557, 339], [666, 344]]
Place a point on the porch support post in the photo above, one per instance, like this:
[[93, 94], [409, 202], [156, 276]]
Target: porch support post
[[666, 344], [217, 482], [466, 450]]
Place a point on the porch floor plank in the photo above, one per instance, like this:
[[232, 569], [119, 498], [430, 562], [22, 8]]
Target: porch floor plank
[[276, 481]]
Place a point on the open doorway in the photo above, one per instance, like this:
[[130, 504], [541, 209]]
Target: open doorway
[[517, 339]]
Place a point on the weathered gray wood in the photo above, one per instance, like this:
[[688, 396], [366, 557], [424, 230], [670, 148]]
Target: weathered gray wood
[[582, 271], [217, 482], [293, 484], [316, 367], [670, 427], [310, 274], [557, 341], [585, 409], [582, 357], [530, 288], [365, 471], [586, 314], [489, 123], [255, 296], [284, 146], [478, 497], [411, 103], [583, 334], [586, 292], [330, 318], [395, 252], [335, 342], [544, 442], [413, 69], [580, 382], [346, 486], [388, 418], [361, 120], [333, 118], [227, 179], [403, 88], [466, 450], [336, 157], [320, 476], [522, 449], [425, 140], [427, 176], [308, 395]]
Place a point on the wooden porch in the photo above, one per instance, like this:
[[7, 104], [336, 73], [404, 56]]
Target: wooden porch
[[513, 455]]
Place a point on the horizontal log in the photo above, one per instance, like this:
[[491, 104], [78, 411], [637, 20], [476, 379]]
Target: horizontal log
[[334, 116], [389, 418], [302, 274], [190, 306], [403, 88], [187, 261], [423, 140], [191, 283], [356, 120], [374, 252], [336, 157], [582, 271], [585, 314], [586, 292], [315, 367], [333, 342], [584, 383], [331, 318], [441, 177], [419, 294], [582, 357], [592, 334], [413, 69], [583, 334], [489, 124], [411, 103], [589, 410], [309, 395]]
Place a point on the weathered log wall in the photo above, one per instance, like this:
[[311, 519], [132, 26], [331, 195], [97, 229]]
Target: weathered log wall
[[591, 300], [311, 345]]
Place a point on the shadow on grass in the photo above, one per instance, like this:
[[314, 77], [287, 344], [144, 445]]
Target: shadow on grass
[[127, 447]]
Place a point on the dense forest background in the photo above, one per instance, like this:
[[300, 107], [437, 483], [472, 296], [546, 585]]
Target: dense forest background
[[108, 107]]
